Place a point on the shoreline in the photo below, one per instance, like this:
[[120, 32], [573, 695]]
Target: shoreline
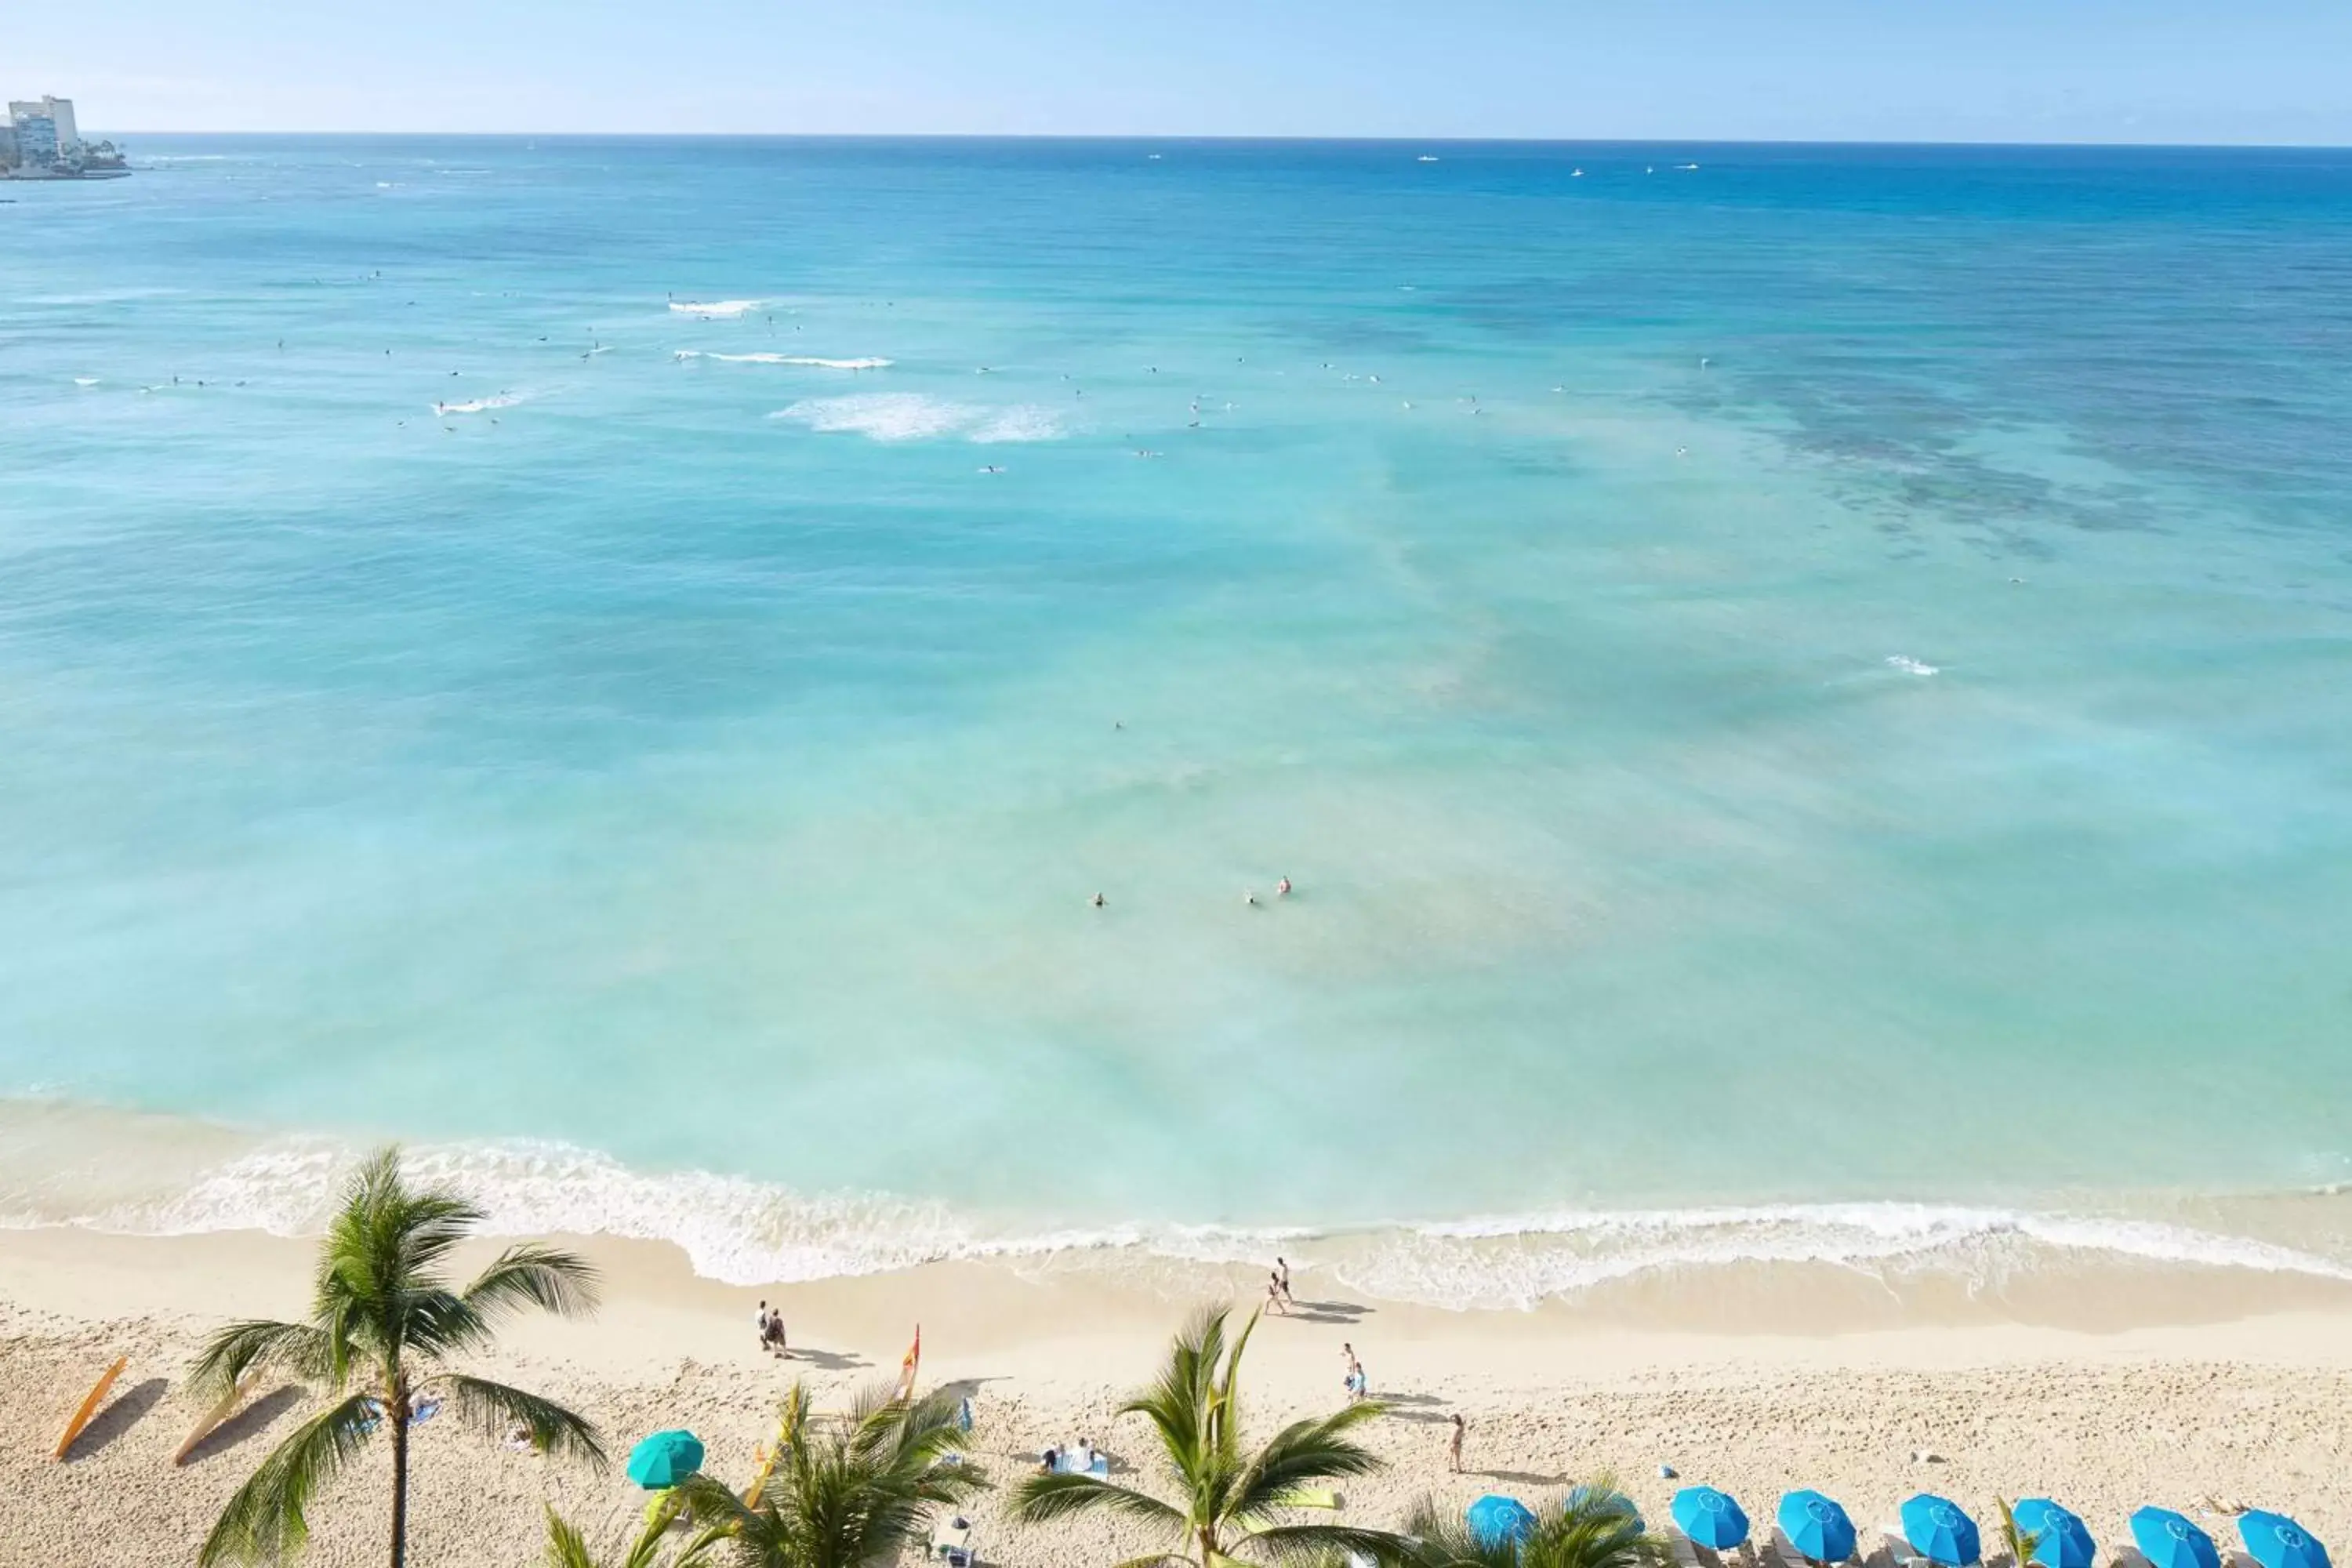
[[2074, 1258], [2244, 1396]]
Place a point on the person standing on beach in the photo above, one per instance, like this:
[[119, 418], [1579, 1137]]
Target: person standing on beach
[[760, 1321], [1282, 1281], [1454, 1444], [1355, 1379]]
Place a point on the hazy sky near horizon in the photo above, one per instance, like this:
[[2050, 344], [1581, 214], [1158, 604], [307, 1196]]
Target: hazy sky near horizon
[[2032, 70]]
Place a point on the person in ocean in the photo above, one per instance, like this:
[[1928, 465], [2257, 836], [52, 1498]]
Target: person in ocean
[[1282, 889]]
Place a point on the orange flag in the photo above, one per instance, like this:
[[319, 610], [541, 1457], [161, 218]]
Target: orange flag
[[907, 1367]]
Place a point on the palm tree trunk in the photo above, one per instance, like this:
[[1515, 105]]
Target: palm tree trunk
[[396, 1412]]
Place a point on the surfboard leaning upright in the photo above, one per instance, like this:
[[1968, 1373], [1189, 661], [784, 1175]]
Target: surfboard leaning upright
[[90, 1406], [215, 1415]]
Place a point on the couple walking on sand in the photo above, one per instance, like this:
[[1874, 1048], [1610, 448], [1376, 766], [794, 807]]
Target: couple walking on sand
[[1278, 1290], [771, 1331]]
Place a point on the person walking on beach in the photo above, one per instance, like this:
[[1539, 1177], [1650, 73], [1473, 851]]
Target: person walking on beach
[[1282, 1280], [760, 1321], [1274, 1301], [1355, 1379], [1454, 1444], [775, 1339]]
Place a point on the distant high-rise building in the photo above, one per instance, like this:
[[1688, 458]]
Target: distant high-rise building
[[45, 122], [37, 140], [8, 145]]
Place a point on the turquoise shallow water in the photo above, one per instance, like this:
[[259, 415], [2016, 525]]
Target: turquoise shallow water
[[1820, 678]]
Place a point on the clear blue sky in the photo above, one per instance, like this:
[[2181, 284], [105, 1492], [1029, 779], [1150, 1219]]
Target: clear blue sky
[[2054, 70]]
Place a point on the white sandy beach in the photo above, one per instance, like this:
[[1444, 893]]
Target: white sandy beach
[[2244, 1397]]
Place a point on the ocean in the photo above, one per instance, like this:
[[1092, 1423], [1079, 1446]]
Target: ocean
[[1803, 696]]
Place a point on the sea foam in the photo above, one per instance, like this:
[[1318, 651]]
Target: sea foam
[[747, 1232], [716, 307], [811, 361], [913, 417], [483, 404]]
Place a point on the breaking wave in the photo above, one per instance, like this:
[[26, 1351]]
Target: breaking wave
[[869, 363], [482, 404], [716, 307], [912, 416], [746, 1232]]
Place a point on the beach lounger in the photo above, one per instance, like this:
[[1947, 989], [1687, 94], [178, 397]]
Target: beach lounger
[[1782, 1553], [1689, 1553], [951, 1541], [1898, 1550]]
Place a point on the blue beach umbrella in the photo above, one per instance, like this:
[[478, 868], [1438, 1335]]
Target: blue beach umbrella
[[2060, 1539], [1710, 1518], [1939, 1531], [665, 1459], [1610, 1501], [2168, 1540], [1495, 1519], [2277, 1541], [1818, 1528]]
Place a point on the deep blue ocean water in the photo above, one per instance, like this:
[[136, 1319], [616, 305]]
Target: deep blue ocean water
[[1807, 684]]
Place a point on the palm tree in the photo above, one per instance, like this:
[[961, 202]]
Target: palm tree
[[1232, 1502], [382, 1326], [852, 1496], [1594, 1526], [2020, 1541], [567, 1548]]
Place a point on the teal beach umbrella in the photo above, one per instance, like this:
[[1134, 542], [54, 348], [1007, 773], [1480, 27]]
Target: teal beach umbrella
[[1818, 1528], [2277, 1541], [2168, 1540], [1493, 1519], [665, 1459], [1581, 1496], [2060, 1539], [1939, 1531], [1711, 1519]]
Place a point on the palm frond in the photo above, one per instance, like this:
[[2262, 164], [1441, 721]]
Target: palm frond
[[1307, 1452], [547, 1277], [852, 1493], [710, 1504], [489, 1406], [437, 1324], [1312, 1545], [565, 1547], [1041, 1499], [299, 1350], [264, 1521], [1181, 1401]]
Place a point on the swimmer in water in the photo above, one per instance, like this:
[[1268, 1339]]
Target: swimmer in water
[[1282, 889], [1249, 897], [1100, 900]]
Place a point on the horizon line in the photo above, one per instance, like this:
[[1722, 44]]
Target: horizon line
[[1243, 137]]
